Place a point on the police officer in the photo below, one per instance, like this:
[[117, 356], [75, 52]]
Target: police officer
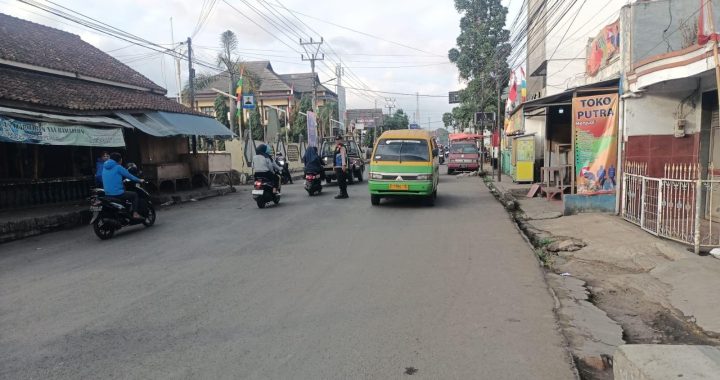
[[340, 166]]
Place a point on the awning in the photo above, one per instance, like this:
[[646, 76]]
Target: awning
[[163, 124], [565, 98], [101, 121]]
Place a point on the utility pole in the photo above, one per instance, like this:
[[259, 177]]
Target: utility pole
[[339, 71], [482, 113], [497, 122], [312, 49], [390, 104], [178, 79], [417, 107], [191, 88]]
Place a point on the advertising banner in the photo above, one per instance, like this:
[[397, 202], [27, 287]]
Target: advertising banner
[[312, 129], [595, 137], [602, 48], [34, 132]]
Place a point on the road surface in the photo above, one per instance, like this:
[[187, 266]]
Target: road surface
[[315, 288]]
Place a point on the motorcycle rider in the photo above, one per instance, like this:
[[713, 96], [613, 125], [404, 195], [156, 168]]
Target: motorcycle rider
[[265, 167], [112, 177], [313, 163], [285, 168]]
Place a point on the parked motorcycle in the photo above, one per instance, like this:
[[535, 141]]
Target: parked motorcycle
[[264, 193], [313, 183], [111, 214], [286, 176]]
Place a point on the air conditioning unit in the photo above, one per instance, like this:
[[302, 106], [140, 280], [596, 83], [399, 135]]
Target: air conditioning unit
[[680, 127]]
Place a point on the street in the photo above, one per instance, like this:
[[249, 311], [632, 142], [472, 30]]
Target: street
[[314, 288]]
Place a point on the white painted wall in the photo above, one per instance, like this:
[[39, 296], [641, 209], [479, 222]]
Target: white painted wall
[[655, 112], [565, 45], [536, 125]]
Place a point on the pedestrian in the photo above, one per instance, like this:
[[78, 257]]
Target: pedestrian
[[104, 156], [340, 165]]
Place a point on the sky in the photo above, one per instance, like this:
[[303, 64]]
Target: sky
[[407, 52]]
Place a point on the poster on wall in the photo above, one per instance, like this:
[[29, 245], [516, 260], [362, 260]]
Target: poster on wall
[[603, 48], [595, 135], [312, 129], [43, 133]]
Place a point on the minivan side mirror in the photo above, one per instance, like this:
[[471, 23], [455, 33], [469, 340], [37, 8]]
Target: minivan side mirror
[[435, 152]]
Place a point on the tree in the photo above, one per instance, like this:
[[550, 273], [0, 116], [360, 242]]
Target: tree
[[221, 110], [448, 120], [228, 61], [255, 125], [399, 120], [480, 56], [298, 128], [326, 114]]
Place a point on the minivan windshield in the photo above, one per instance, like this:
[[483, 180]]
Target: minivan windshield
[[402, 150], [463, 148]]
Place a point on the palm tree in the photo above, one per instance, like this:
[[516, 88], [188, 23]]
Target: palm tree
[[228, 61]]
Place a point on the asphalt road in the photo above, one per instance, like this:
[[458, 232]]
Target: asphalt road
[[315, 288]]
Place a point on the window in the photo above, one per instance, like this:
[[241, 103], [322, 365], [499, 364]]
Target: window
[[463, 148], [402, 150], [210, 111]]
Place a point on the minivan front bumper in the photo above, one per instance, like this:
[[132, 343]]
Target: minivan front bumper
[[413, 187]]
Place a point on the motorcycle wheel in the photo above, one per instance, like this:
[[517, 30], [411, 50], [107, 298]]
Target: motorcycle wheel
[[261, 203], [103, 231], [150, 218]]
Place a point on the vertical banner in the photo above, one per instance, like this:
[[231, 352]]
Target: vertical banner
[[312, 129], [595, 135], [273, 125]]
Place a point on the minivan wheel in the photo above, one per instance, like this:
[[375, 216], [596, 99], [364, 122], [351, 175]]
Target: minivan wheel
[[430, 200], [374, 200]]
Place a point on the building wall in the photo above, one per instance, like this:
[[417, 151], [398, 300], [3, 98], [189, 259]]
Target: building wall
[[650, 125]]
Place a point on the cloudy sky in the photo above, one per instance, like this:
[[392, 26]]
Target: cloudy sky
[[396, 46]]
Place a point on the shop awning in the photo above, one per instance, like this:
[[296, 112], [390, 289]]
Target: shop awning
[[163, 124], [565, 98]]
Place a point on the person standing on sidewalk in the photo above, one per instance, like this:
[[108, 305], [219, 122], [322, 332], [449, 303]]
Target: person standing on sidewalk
[[340, 165]]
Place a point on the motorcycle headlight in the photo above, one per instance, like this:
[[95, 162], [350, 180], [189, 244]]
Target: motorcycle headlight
[[325, 160], [375, 176], [424, 177]]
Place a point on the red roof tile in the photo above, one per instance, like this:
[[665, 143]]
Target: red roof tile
[[50, 91], [30, 43]]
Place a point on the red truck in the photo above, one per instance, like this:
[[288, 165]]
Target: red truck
[[464, 154]]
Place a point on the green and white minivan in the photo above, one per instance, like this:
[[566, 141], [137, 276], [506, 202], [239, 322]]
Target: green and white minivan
[[404, 163]]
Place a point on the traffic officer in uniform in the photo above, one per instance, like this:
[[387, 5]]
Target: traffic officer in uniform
[[340, 166]]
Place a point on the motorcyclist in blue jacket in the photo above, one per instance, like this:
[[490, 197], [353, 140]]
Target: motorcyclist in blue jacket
[[112, 177]]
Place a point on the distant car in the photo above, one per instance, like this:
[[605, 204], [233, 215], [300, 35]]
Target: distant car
[[356, 162]]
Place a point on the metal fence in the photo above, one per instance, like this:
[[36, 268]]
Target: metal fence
[[678, 206]]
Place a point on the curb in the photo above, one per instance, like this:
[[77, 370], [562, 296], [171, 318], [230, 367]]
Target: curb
[[29, 227]]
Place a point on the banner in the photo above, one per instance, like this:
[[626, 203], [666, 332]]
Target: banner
[[595, 143], [602, 48], [312, 129], [273, 125], [35, 132]]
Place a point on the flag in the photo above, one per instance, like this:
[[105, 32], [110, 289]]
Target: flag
[[706, 26], [523, 86], [239, 86]]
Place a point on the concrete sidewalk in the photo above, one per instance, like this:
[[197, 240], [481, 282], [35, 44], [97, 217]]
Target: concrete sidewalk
[[23, 223], [657, 290]]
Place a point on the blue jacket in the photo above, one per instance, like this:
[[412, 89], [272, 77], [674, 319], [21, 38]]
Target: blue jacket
[[112, 178], [98, 170]]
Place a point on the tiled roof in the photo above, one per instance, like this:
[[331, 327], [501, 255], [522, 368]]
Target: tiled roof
[[30, 43], [269, 80], [303, 82], [33, 89]]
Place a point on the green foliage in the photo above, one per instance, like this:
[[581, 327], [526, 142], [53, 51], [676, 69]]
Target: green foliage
[[298, 126], [258, 130], [399, 120], [221, 110], [448, 120], [480, 56], [325, 114]]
